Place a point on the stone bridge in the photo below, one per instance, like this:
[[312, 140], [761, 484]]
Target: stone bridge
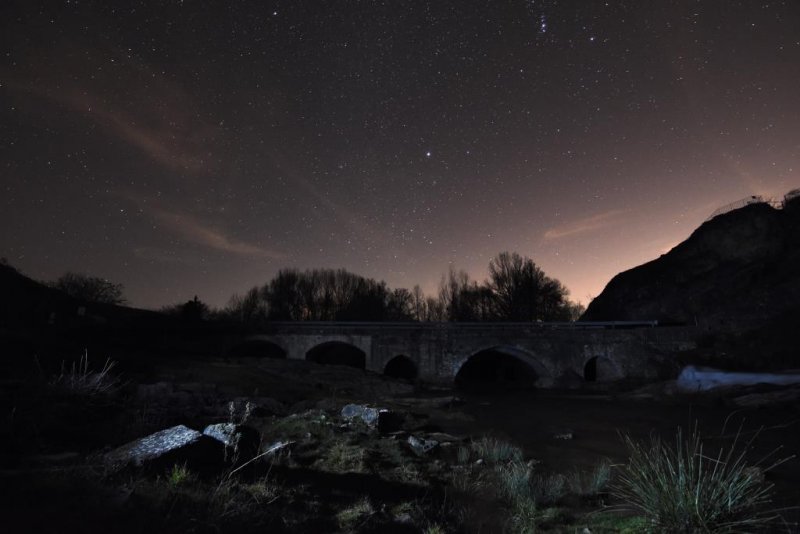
[[541, 354]]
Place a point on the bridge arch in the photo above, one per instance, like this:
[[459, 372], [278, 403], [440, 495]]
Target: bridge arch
[[337, 353], [601, 369], [502, 365], [257, 347], [401, 367]]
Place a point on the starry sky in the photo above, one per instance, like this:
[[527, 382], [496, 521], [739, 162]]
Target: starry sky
[[196, 147]]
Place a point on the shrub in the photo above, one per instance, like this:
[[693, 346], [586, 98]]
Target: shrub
[[681, 489], [90, 288]]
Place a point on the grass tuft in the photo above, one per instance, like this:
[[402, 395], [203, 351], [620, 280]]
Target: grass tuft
[[682, 489], [548, 488], [496, 451], [179, 475], [357, 513], [79, 379], [591, 483]]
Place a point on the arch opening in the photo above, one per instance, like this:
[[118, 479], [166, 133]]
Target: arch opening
[[401, 367], [338, 353], [590, 370], [599, 369], [258, 348], [498, 368]]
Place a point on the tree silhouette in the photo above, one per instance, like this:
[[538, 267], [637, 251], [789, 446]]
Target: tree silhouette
[[523, 292], [90, 288]]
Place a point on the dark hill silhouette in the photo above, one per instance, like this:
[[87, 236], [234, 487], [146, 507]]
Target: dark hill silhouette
[[30, 305], [737, 277], [41, 321]]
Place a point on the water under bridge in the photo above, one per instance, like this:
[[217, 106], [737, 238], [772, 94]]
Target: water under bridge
[[541, 354]]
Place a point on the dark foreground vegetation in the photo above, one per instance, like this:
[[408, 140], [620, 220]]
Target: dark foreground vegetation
[[311, 468]]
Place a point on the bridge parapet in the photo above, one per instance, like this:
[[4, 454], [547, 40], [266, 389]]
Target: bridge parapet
[[440, 350]]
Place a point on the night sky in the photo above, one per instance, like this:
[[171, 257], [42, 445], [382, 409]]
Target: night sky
[[188, 147]]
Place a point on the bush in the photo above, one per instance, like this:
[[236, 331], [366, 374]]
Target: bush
[[90, 288], [681, 489]]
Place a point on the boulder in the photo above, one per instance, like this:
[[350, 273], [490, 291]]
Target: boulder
[[421, 446], [385, 421], [176, 445], [240, 440], [362, 411]]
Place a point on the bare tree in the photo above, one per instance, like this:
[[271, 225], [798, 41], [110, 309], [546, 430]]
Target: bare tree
[[90, 288], [249, 309], [522, 291]]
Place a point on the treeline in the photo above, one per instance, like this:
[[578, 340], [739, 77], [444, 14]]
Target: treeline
[[516, 290]]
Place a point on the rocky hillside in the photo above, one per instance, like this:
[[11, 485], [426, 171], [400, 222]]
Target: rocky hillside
[[737, 275]]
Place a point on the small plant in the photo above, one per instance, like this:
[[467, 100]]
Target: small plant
[[178, 476], [81, 380], [515, 480], [470, 480], [262, 491], [547, 489], [234, 417], [350, 516], [682, 489], [524, 516], [434, 528], [462, 454], [343, 457], [496, 451], [590, 483]]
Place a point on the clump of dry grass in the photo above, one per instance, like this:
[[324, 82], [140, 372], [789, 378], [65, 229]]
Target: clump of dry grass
[[680, 488], [80, 379]]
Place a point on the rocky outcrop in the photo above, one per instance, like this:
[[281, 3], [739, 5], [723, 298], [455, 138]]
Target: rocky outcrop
[[242, 441], [172, 446], [383, 420], [738, 273]]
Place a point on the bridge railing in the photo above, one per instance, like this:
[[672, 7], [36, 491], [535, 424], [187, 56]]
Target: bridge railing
[[578, 325]]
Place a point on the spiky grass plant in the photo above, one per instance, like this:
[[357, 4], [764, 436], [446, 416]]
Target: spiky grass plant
[[496, 451], [590, 483], [682, 489], [515, 481], [548, 488], [79, 379]]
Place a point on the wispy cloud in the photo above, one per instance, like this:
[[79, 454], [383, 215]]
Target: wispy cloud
[[196, 231], [585, 225], [160, 122]]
